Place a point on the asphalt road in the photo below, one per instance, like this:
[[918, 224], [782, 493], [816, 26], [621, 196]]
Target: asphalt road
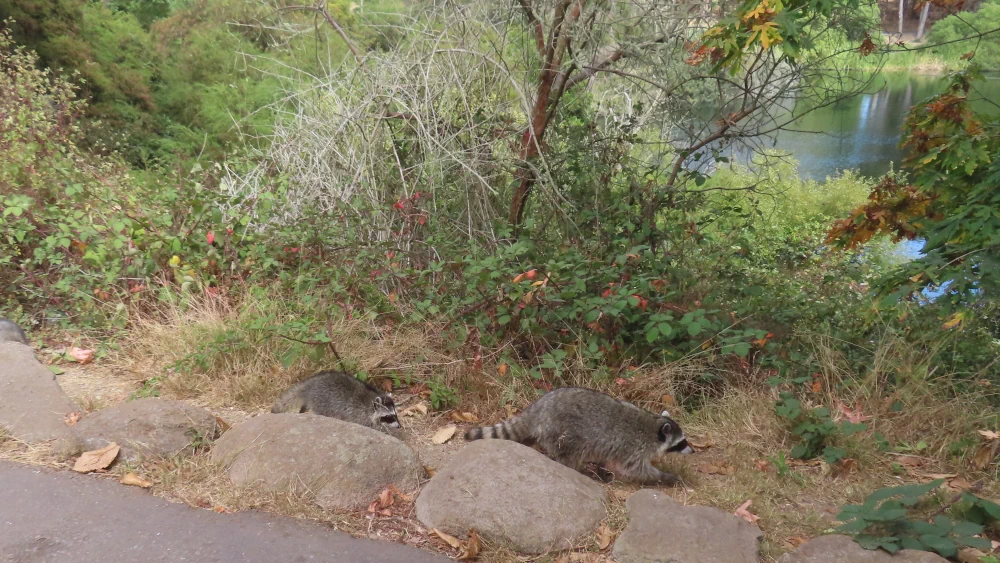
[[63, 516]]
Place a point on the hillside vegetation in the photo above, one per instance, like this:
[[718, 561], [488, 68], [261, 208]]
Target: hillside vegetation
[[489, 200]]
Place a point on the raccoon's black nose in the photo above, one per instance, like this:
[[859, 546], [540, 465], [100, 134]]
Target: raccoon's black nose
[[679, 446]]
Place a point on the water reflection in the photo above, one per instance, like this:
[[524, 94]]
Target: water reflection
[[863, 133]]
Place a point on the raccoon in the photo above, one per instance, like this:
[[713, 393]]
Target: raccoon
[[340, 395], [10, 332], [577, 426]]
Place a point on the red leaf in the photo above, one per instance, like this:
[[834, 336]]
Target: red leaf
[[210, 237]]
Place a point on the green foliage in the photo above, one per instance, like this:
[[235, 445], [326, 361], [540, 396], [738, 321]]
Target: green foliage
[[898, 517], [951, 33], [950, 201], [815, 429]]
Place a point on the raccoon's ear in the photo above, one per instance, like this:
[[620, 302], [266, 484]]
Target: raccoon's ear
[[666, 429], [378, 401]]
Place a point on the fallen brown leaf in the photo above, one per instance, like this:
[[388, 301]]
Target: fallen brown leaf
[[985, 454], [933, 476], [959, 484], [223, 425], [604, 537], [431, 471], [577, 557], [510, 410], [909, 460], [71, 418], [701, 445], [386, 498], [135, 480], [448, 538], [96, 459], [80, 355], [463, 417], [719, 468], [502, 369], [762, 464], [745, 514], [470, 548], [668, 400], [796, 541], [989, 434], [414, 410], [846, 466], [444, 434], [219, 508]]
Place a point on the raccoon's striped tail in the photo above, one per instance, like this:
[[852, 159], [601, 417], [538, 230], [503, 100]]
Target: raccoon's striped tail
[[506, 430]]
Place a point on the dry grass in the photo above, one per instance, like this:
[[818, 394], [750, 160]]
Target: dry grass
[[229, 359], [739, 427]]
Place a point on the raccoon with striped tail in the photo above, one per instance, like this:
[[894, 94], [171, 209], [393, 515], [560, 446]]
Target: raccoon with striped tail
[[342, 396], [576, 426]]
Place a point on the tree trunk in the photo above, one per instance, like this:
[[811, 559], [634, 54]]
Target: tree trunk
[[923, 19], [902, 7]]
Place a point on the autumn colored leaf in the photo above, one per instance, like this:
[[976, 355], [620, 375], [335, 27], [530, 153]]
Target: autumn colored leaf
[[135, 481], [444, 434], [470, 548], [989, 434], [71, 418], [867, 46], [210, 237], [718, 468], [984, 455], [745, 514], [954, 321], [463, 417], [414, 410], [502, 369], [96, 459], [80, 355], [448, 538], [431, 470], [223, 425]]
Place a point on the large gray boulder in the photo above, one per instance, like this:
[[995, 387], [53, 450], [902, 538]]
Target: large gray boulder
[[149, 427], [32, 405], [842, 549], [511, 493], [344, 465], [662, 530]]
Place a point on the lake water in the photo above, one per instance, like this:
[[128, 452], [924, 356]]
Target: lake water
[[863, 133]]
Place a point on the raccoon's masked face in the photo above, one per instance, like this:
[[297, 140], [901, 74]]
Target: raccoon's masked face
[[385, 411], [672, 436]]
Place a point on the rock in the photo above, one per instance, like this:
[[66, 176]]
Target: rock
[[345, 465], [661, 529], [510, 492], [32, 405], [147, 427], [843, 549]]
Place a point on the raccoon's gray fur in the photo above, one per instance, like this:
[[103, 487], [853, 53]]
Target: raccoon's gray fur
[[340, 395], [10, 332], [577, 426]]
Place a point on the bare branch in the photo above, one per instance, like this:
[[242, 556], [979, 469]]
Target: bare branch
[[536, 24]]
